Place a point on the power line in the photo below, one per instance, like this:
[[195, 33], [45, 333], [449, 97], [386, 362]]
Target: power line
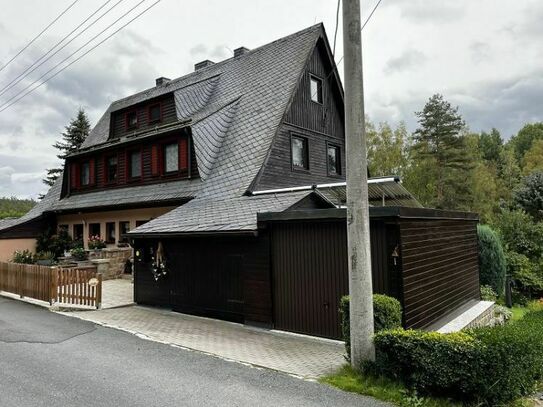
[[341, 59], [29, 69], [337, 26], [39, 35], [72, 54], [4, 107], [371, 14]]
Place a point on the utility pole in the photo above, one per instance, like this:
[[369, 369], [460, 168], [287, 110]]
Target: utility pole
[[358, 225]]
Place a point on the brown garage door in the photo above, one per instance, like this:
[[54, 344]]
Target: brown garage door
[[309, 276]]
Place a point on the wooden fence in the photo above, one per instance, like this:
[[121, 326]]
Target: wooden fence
[[74, 285]]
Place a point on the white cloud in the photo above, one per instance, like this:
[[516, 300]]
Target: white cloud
[[484, 56]]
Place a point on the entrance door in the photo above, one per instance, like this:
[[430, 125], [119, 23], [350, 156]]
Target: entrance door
[[309, 276]]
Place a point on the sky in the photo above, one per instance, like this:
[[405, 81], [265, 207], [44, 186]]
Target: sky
[[484, 56]]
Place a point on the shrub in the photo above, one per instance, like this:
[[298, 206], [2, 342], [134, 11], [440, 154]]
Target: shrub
[[527, 275], [520, 234], [79, 253], [23, 257], [54, 243], [491, 259], [387, 312], [488, 293], [486, 365]]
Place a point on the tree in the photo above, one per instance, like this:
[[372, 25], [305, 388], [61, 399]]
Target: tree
[[522, 142], [386, 149], [73, 137], [533, 159], [490, 145], [491, 259], [439, 141], [529, 195]]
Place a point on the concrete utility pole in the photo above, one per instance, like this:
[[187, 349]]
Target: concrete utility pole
[[358, 225]]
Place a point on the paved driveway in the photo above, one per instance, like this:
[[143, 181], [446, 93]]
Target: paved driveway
[[294, 354]]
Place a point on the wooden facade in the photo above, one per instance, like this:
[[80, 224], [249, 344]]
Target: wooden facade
[[292, 275], [151, 163], [321, 124]]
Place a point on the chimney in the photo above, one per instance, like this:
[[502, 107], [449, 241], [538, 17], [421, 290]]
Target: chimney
[[203, 64], [240, 51], [162, 81]]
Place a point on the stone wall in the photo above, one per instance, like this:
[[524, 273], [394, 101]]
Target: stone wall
[[114, 258]]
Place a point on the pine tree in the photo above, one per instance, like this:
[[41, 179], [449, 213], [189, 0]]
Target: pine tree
[[440, 144], [73, 137]]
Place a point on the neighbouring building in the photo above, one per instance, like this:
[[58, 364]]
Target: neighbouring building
[[229, 183]]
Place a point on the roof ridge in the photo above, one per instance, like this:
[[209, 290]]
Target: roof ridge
[[218, 64]]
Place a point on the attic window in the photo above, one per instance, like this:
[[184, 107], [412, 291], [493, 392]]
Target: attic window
[[316, 89], [334, 159], [155, 113], [171, 158], [300, 155], [131, 120]]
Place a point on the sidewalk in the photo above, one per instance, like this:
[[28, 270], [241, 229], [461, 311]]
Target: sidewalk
[[298, 355]]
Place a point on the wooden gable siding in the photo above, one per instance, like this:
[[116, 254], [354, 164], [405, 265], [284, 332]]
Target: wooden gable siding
[[118, 124], [319, 123], [440, 268]]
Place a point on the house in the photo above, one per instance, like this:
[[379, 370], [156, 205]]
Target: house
[[188, 169]]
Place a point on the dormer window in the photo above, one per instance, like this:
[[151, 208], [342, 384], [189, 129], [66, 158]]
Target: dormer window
[[171, 158], [131, 120], [111, 169], [85, 174], [316, 89], [155, 113]]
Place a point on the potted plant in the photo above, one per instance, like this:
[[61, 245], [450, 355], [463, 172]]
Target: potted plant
[[95, 243], [79, 254], [45, 258]]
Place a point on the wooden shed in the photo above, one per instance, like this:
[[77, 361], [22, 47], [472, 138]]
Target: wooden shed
[[291, 274]]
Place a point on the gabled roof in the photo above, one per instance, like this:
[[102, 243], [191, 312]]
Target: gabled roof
[[233, 108]]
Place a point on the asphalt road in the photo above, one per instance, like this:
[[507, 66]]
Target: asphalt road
[[48, 359]]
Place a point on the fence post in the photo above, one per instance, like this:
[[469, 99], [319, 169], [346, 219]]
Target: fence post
[[53, 276], [99, 291], [20, 280]]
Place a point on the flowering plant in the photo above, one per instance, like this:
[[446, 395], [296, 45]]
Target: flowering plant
[[96, 243]]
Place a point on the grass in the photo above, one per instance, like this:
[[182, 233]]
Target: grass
[[381, 388], [519, 311]]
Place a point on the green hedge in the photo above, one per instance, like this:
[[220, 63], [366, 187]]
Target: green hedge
[[492, 264], [387, 312], [487, 365]]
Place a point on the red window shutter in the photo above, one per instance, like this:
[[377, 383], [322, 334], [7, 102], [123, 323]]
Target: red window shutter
[[183, 154], [74, 178], [154, 160], [92, 172]]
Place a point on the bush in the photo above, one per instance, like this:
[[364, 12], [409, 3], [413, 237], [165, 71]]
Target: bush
[[387, 312], [526, 274], [486, 365], [491, 259], [54, 243], [520, 234], [488, 293], [79, 253], [23, 257]]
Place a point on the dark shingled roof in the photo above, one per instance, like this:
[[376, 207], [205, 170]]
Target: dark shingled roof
[[235, 108]]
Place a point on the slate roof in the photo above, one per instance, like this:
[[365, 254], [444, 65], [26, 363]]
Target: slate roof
[[234, 109], [208, 215]]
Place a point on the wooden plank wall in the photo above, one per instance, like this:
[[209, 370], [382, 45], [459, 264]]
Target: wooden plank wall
[[319, 123], [439, 266]]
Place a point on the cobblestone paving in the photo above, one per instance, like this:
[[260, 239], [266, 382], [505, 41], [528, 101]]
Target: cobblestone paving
[[116, 293], [301, 356]]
